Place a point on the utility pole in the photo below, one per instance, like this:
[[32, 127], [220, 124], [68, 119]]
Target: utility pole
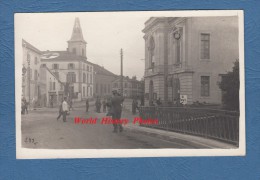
[[121, 78]]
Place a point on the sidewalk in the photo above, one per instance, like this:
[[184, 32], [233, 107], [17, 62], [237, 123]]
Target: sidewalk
[[195, 141]]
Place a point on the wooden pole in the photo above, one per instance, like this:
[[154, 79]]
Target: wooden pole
[[121, 57]]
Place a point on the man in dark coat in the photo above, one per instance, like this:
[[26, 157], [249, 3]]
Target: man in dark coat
[[87, 105], [98, 105], [116, 102]]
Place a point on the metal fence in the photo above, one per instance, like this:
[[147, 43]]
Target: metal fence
[[209, 123]]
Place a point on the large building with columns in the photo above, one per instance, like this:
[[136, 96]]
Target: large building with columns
[[188, 56]]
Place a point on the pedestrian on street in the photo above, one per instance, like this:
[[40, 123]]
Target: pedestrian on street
[[23, 109], [71, 105], [64, 109], [98, 105], [25, 105], [87, 105], [116, 102], [104, 105], [60, 111], [134, 106], [109, 107], [158, 102]]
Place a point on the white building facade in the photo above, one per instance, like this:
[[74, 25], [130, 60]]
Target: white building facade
[[188, 56]]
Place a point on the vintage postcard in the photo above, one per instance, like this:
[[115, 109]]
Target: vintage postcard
[[129, 84]]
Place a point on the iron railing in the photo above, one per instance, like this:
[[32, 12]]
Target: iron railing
[[209, 123]]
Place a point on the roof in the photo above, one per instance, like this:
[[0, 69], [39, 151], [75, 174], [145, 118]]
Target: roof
[[61, 56], [29, 46], [101, 70], [68, 56]]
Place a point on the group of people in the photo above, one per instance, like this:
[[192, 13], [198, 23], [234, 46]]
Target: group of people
[[98, 104], [113, 107]]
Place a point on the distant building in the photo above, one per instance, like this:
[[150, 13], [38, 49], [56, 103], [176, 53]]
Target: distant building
[[102, 81], [31, 65], [51, 88], [188, 56], [132, 88], [71, 67]]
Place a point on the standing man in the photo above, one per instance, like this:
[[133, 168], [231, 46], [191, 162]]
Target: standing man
[[116, 102], [64, 109], [87, 105], [104, 105]]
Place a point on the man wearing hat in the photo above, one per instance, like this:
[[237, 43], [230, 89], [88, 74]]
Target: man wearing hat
[[116, 103]]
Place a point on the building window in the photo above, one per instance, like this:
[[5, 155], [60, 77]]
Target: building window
[[61, 87], [28, 59], [53, 85], [108, 88], [87, 68], [90, 91], [84, 78], [71, 77], [71, 66], [90, 69], [55, 66], [90, 78], [50, 88], [101, 89], [83, 52], [35, 75], [87, 78], [97, 88], [205, 46], [205, 82], [84, 92], [56, 74], [43, 65], [31, 74], [125, 85], [105, 88], [74, 50], [83, 66], [151, 48], [35, 60]]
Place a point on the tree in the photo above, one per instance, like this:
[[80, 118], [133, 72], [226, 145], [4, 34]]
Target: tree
[[230, 88]]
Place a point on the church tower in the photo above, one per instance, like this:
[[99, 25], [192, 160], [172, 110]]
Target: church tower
[[77, 44]]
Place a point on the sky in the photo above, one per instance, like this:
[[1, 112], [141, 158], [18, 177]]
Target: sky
[[105, 34]]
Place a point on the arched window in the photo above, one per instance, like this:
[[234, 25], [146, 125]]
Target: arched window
[[84, 78], [151, 48]]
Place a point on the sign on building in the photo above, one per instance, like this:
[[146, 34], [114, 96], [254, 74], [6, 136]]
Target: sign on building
[[183, 99]]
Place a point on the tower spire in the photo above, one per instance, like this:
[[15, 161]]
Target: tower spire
[[77, 44], [77, 35]]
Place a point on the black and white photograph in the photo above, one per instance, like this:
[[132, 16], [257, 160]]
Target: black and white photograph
[[129, 84]]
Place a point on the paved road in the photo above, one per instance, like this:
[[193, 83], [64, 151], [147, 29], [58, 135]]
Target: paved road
[[40, 129]]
